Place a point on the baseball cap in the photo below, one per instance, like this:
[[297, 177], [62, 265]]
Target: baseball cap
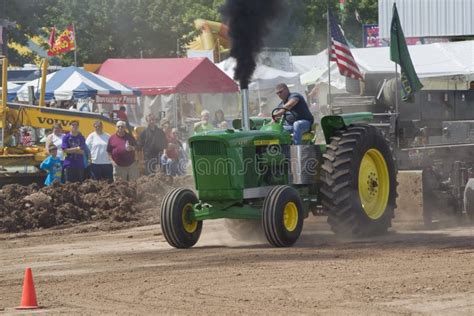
[[121, 123]]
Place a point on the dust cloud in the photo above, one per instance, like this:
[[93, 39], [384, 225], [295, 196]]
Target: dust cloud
[[232, 233]]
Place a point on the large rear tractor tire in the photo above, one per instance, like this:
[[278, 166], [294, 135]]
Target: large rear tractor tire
[[359, 185], [282, 216], [178, 229]]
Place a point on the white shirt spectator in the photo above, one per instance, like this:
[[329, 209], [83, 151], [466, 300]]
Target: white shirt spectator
[[98, 146]]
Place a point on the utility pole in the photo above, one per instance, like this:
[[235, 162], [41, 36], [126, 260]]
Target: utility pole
[[177, 47]]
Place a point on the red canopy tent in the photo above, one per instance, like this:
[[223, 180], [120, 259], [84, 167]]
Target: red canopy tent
[[180, 87], [169, 75]]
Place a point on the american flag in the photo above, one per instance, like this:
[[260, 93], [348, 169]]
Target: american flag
[[340, 52]]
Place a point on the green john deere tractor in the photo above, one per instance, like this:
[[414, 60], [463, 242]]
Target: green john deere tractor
[[256, 174]]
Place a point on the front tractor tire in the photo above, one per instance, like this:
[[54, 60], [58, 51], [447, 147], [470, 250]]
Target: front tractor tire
[[359, 185], [179, 230], [282, 216]]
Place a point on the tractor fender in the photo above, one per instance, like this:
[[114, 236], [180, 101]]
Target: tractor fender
[[332, 123]]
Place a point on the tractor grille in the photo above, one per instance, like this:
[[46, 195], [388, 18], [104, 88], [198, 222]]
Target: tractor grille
[[208, 148]]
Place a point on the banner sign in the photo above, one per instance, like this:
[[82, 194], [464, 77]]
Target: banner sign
[[372, 38], [371, 35], [116, 99]]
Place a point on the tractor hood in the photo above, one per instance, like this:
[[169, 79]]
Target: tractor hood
[[239, 138]]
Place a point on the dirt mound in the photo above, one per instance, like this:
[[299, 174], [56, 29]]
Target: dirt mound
[[31, 207]]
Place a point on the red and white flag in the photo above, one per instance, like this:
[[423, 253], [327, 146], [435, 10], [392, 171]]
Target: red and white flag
[[341, 53]]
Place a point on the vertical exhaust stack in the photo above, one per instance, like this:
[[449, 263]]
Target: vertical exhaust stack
[[248, 23], [3, 105], [245, 109]]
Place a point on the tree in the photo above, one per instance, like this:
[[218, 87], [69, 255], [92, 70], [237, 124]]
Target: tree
[[28, 16], [368, 12], [129, 28], [158, 28], [310, 17]]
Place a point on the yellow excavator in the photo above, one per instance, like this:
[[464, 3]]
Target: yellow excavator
[[19, 164], [212, 36]]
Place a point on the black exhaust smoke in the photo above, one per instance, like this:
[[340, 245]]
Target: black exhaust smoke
[[248, 22]]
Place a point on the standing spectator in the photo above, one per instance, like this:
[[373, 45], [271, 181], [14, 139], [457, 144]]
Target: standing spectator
[[188, 111], [174, 158], [101, 166], [56, 138], [218, 118], [53, 165], [171, 160], [121, 149], [121, 114], [166, 128], [153, 141], [204, 125], [74, 147], [174, 138]]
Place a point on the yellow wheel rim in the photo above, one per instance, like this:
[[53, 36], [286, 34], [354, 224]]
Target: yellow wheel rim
[[290, 216], [189, 226], [374, 183]]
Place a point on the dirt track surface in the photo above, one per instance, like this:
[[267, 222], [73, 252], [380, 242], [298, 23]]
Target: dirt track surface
[[133, 271]]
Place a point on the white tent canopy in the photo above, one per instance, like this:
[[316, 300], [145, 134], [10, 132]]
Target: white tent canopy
[[263, 83], [264, 77], [304, 63], [11, 85], [431, 61]]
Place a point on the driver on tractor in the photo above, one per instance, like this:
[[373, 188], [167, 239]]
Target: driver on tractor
[[299, 119]]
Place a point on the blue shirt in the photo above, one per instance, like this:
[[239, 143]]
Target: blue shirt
[[54, 167], [300, 109]]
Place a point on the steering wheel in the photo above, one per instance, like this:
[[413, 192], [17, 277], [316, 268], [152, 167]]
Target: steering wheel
[[284, 116]]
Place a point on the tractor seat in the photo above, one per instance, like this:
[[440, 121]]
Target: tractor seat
[[309, 136]]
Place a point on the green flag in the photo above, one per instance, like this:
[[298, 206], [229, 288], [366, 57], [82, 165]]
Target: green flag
[[399, 54]]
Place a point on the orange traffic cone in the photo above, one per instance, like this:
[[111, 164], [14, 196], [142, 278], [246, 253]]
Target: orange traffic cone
[[28, 298]]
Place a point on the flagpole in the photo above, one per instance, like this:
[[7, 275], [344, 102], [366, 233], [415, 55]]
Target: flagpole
[[329, 59], [75, 45], [396, 88], [396, 102]]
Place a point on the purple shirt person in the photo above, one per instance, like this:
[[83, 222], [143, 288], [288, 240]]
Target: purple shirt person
[[74, 146]]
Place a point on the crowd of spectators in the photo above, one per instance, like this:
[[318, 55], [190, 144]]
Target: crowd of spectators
[[73, 157], [100, 156]]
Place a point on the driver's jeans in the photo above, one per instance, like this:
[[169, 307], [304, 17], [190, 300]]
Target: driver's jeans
[[298, 129]]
